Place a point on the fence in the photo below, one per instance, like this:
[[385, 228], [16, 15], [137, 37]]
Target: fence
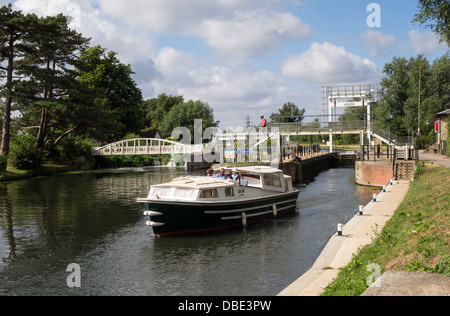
[[300, 151], [387, 152]]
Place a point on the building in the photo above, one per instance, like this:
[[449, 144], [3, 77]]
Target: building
[[152, 133], [441, 131]]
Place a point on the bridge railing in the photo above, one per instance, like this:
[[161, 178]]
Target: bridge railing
[[321, 127], [142, 146], [400, 141]]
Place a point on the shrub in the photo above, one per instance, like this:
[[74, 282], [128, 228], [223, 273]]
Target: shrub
[[3, 163], [24, 155], [73, 148]]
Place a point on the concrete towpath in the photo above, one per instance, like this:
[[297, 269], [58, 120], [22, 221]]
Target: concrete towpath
[[357, 233], [436, 158]]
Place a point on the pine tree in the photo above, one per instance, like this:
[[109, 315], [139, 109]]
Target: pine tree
[[49, 66], [14, 26]]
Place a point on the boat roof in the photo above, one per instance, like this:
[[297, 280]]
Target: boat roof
[[197, 183], [256, 169], [260, 169]]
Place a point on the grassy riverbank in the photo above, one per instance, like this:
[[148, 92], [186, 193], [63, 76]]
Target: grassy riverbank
[[415, 239], [13, 173]]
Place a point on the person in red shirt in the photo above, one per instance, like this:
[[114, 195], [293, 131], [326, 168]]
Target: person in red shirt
[[264, 122]]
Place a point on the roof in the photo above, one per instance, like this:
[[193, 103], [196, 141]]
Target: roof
[[258, 169], [446, 112], [197, 183]]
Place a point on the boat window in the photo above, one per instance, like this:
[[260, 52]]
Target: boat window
[[272, 180], [159, 192], [229, 192], [185, 193], [209, 194]]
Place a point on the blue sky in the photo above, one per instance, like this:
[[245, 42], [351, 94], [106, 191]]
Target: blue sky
[[248, 57]]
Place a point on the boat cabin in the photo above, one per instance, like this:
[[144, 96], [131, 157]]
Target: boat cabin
[[204, 189]]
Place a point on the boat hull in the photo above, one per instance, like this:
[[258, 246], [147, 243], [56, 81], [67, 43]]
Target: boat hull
[[173, 218]]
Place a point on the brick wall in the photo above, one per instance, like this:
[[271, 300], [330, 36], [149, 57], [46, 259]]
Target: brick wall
[[371, 173]]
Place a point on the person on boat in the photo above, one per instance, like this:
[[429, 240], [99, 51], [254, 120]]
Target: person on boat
[[210, 172], [222, 174], [236, 177]]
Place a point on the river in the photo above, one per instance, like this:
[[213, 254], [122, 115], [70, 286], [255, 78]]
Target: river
[[92, 220]]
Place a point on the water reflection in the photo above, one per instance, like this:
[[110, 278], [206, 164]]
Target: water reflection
[[93, 220]]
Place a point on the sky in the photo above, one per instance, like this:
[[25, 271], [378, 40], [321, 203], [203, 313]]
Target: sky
[[248, 57]]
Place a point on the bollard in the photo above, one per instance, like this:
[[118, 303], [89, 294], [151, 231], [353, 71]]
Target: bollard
[[384, 188], [374, 197], [339, 228], [361, 210]]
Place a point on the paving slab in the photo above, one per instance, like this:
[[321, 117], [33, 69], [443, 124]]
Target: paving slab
[[402, 283], [437, 158]]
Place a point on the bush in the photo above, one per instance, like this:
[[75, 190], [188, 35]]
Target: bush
[[3, 163], [24, 155], [73, 148]]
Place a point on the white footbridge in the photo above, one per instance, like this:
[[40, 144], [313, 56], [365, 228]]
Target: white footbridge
[[144, 146], [329, 124]]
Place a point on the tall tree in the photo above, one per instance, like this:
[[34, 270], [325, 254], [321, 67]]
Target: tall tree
[[419, 84], [393, 93], [14, 26], [49, 66], [441, 80], [289, 113], [118, 93], [437, 14], [157, 108], [184, 114], [406, 80]]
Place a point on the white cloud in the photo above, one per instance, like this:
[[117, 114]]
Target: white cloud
[[242, 28], [378, 43], [174, 16], [132, 45], [328, 64], [237, 29], [253, 33], [424, 43], [233, 93]]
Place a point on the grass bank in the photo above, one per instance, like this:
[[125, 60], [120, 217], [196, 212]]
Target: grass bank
[[415, 239]]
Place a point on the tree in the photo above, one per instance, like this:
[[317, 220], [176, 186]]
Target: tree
[[437, 13], [184, 114], [393, 93], [157, 108], [52, 81], [289, 113], [419, 77], [118, 93], [398, 105], [14, 26], [440, 80]]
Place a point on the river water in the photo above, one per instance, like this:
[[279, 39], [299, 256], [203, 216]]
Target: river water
[[92, 220]]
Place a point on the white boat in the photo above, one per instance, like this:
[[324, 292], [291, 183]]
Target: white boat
[[197, 204]]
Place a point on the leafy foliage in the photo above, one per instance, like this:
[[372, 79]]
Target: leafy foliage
[[184, 114], [398, 105], [24, 155], [289, 113], [117, 93], [3, 163], [437, 14]]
